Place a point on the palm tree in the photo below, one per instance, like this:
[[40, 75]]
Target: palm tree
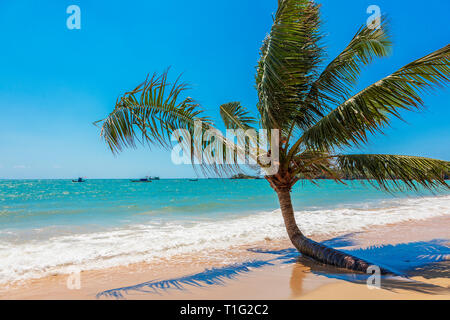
[[313, 108]]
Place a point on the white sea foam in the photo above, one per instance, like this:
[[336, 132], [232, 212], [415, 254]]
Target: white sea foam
[[138, 243]]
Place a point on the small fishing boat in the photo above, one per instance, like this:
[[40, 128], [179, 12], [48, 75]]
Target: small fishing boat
[[146, 179], [79, 180], [193, 179]]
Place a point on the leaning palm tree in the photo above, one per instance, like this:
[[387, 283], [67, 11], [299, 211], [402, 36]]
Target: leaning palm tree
[[312, 109]]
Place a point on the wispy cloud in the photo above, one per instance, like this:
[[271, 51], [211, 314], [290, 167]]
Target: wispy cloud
[[21, 166]]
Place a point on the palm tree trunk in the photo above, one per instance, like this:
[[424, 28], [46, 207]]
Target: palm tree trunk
[[313, 249]]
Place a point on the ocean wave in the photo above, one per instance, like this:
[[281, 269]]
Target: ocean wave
[[36, 258]]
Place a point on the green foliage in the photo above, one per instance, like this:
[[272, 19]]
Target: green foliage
[[235, 116], [150, 113], [338, 79], [371, 109], [290, 55], [388, 170], [242, 176], [310, 103]]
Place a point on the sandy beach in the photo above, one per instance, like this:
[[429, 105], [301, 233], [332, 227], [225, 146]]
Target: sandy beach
[[302, 279]]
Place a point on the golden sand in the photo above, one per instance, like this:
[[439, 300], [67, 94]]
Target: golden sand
[[279, 281]]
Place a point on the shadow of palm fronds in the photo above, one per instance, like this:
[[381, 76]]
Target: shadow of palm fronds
[[285, 256], [391, 283], [405, 257], [346, 240], [213, 276], [428, 259], [409, 259], [433, 270]]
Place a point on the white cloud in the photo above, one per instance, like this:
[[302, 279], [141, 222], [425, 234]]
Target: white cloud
[[20, 166]]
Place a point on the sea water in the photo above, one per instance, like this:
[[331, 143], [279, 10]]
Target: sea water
[[50, 226]]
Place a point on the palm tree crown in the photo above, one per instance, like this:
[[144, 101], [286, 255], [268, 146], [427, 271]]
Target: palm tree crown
[[312, 106], [313, 110]]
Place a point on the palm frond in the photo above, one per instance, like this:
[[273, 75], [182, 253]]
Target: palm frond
[[150, 114], [406, 257], [213, 276], [154, 110], [371, 109], [312, 165], [339, 77], [235, 116], [393, 172], [290, 55]]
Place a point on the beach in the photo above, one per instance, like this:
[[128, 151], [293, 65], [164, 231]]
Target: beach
[[302, 279], [176, 240]]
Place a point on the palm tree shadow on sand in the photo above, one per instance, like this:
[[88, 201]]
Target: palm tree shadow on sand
[[426, 259], [391, 283]]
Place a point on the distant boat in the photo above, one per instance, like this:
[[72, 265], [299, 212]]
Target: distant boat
[[146, 179], [154, 178], [79, 180], [193, 179]]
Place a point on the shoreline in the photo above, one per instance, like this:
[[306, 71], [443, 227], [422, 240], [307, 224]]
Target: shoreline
[[60, 251], [272, 281]]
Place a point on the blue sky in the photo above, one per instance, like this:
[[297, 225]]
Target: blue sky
[[55, 82]]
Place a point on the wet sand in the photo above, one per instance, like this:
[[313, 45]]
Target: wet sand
[[304, 279]]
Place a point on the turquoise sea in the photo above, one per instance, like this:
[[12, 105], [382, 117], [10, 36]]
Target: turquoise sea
[[48, 226]]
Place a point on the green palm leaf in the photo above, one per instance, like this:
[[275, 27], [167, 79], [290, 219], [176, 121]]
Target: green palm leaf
[[387, 171], [152, 112], [290, 55], [340, 76], [371, 109], [235, 116], [155, 109]]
